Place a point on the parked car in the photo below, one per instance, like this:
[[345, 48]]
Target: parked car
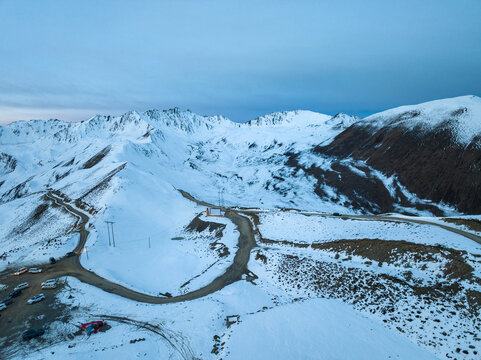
[[52, 260], [32, 333], [22, 286], [20, 271], [49, 284], [2, 306], [34, 270], [70, 254], [7, 301], [36, 299], [16, 292]]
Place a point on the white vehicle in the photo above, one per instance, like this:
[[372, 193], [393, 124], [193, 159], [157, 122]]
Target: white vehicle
[[20, 271], [49, 284], [34, 270], [22, 286], [36, 299], [2, 306]]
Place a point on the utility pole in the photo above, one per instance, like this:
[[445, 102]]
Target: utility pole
[[113, 237], [108, 230], [87, 253], [221, 198], [111, 223]]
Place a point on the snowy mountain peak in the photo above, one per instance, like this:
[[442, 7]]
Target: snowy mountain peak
[[342, 120], [296, 117], [462, 115], [184, 120]]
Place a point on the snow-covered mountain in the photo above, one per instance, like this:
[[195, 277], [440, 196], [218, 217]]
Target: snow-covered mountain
[[433, 149], [287, 159], [423, 160], [460, 115]]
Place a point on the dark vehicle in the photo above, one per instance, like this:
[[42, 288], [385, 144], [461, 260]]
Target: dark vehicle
[[32, 333], [336, 214], [52, 260], [15, 293], [7, 301], [70, 254]]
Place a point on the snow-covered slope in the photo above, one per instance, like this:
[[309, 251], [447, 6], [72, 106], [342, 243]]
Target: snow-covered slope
[[267, 162], [460, 114], [293, 118], [433, 149], [128, 169]]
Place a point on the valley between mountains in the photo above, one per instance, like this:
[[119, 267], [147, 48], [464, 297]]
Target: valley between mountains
[[341, 237]]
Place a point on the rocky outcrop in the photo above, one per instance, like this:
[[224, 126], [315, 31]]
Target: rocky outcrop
[[430, 164], [7, 163]]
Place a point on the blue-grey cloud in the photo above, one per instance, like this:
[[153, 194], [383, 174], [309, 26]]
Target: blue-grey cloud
[[242, 59]]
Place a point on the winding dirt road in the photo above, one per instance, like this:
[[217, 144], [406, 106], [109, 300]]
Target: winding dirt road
[[71, 266], [466, 234]]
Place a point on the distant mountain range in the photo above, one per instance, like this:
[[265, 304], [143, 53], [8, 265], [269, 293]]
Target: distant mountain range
[[419, 159]]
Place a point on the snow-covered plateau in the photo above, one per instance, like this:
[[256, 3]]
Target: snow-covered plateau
[[347, 261]]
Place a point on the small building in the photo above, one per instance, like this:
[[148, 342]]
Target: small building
[[214, 212]]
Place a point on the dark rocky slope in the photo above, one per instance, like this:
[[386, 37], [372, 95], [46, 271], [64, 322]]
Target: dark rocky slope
[[430, 163]]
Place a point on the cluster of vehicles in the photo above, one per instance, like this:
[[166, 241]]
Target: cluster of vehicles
[[17, 291], [49, 284], [24, 270]]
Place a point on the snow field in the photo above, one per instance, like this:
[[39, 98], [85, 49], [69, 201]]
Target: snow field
[[174, 256], [25, 241], [296, 227], [317, 329]]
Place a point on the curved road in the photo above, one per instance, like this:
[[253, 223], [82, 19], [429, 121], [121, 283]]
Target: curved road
[[72, 267], [466, 234]]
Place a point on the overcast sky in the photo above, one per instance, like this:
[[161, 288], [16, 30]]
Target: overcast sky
[[74, 59]]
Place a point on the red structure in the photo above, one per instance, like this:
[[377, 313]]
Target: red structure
[[214, 212], [93, 326]]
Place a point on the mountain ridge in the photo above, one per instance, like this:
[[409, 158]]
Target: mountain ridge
[[464, 111], [296, 158]]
